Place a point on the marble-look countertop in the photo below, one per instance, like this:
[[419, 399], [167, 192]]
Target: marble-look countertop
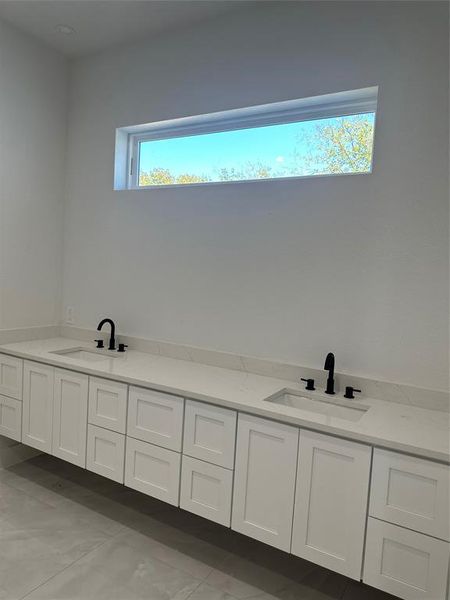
[[418, 431]]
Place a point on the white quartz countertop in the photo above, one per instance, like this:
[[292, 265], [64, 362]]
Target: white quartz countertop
[[424, 433]]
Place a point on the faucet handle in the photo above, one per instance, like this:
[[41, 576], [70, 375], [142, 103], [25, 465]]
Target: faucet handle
[[122, 347], [99, 343], [349, 391], [309, 384]]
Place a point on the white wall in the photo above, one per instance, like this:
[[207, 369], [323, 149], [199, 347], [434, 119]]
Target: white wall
[[33, 84], [283, 270]]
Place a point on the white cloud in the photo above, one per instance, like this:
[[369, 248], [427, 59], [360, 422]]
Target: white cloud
[[279, 159]]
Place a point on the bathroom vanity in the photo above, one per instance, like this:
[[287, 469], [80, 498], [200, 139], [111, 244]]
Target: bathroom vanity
[[365, 493]]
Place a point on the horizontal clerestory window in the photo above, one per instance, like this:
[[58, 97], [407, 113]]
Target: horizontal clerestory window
[[331, 134]]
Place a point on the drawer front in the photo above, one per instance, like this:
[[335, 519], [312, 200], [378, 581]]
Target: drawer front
[[152, 470], [407, 564], [108, 404], [210, 433], [11, 371], [156, 418], [411, 492], [105, 453], [11, 418], [206, 490]]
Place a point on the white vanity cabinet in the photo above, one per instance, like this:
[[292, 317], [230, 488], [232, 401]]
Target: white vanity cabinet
[[264, 483], [11, 369], [37, 410], [331, 502], [303, 492], [70, 409], [11, 418]]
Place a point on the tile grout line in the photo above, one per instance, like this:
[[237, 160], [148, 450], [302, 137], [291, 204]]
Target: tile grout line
[[65, 568]]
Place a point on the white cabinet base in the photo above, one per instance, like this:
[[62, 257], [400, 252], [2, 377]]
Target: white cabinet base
[[105, 453], [11, 418], [153, 470], [404, 563], [206, 490]]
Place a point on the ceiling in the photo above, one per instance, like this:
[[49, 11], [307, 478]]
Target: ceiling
[[100, 24]]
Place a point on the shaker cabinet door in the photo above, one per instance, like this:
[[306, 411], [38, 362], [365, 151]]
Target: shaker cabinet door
[[264, 484], [70, 416], [37, 410], [331, 502]]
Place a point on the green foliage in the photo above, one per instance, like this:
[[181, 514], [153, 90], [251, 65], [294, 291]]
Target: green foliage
[[249, 171], [158, 176], [344, 147]]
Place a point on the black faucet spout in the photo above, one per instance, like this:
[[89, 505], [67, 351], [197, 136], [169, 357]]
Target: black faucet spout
[[112, 339], [329, 366]]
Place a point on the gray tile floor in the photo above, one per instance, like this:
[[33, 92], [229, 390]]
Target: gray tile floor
[[68, 534]]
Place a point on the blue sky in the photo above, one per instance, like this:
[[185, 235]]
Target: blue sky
[[204, 154]]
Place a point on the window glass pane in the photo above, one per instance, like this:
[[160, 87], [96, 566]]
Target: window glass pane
[[320, 147]]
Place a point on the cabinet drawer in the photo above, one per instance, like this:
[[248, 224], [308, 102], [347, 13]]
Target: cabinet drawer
[[206, 490], [108, 404], [11, 370], [105, 453], [11, 418], [152, 470], [210, 433], [407, 564], [156, 418], [411, 492]]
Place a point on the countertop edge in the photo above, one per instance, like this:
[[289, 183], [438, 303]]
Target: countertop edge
[[267, 413]]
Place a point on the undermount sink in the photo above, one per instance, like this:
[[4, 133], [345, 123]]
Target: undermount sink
[[319, 406], [84, 354]]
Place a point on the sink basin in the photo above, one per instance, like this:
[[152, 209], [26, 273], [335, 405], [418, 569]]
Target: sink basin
[[338, 408], [85, 355]]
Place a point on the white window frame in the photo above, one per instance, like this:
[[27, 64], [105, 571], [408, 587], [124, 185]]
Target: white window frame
[[128, 139]]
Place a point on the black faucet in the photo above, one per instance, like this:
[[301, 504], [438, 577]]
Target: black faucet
[[329, 366], [112, 339]]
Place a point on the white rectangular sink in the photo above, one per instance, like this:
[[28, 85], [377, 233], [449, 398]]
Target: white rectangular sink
[[337, 408], [85, 355]]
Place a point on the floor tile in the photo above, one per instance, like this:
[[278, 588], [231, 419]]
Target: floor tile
[[117, 570], [358, 591], [187, 553], [67, 534], [243, 578], [206, 592]]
